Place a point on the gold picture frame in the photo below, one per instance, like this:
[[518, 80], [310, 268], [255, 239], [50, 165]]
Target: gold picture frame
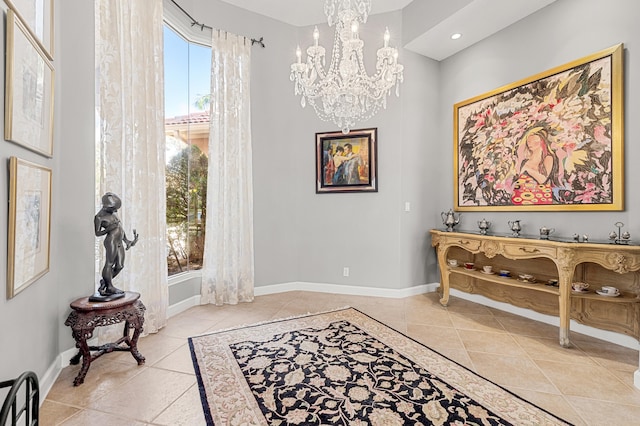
[[550, 142], [29, 78], [37, 17], [29, 224]]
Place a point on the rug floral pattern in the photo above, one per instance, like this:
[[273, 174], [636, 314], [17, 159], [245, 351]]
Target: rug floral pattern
[[343, 367], [339, 375]]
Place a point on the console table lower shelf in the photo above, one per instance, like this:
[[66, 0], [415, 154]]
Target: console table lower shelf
[[86, 316], [560, 262]]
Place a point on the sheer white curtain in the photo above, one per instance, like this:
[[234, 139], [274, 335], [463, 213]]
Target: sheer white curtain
[[130, 153], [228, 272]]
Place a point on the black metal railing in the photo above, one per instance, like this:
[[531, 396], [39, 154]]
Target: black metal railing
[[29, 410]]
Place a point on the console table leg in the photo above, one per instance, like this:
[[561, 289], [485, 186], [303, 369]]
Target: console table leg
[[76, 359], [136, 322], [444, 275], [444, 295], [564, 338], [134, 345], [81, 343], [565, 279]]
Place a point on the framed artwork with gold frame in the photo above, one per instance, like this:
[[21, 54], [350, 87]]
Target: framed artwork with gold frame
[[550, 142], [37, 16], [29, 224], [28, 91]]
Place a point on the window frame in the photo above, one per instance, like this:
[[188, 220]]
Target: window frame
[[181, 24]]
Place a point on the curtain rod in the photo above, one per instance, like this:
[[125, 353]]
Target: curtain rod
[[195, 23]]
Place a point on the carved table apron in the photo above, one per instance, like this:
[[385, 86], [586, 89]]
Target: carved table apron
[[570, 262], [86, 316]]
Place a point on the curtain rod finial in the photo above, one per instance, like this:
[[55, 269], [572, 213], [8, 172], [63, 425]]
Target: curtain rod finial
[[260, 42]]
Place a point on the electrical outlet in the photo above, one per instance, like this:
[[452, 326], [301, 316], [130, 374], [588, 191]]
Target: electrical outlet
[[345, 271]]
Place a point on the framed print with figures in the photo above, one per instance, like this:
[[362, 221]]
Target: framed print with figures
[[347, 162]]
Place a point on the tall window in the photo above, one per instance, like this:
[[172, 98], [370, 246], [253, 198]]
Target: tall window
[[187, 74]]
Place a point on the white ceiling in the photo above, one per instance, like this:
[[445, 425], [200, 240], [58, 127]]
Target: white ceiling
[[475, 20], [306, 12]]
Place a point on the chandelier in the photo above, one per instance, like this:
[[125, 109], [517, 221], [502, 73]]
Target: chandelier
[[345, 93]]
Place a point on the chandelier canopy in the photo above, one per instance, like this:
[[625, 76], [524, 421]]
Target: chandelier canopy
[[345, 93]]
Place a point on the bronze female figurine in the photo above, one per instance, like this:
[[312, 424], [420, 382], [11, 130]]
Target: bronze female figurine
[[106, 222]]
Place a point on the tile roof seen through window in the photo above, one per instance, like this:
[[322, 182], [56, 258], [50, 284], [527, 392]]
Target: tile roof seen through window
[[193, 118]]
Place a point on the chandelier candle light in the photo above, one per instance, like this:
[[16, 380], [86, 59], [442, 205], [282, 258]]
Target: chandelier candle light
[[345, 94]]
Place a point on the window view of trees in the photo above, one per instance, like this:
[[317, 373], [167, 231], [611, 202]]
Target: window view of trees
[[187, 76], [186, 210]]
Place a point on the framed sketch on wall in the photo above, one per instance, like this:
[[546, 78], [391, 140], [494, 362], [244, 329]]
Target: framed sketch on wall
[[29, 224], [28, 91], [37, 15], [347, 162], [551, 142]]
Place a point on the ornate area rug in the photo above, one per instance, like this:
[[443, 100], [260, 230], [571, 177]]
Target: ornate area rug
[[343, 368]]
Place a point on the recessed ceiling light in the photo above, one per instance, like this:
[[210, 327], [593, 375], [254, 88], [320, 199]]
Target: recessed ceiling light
[[455, 36]]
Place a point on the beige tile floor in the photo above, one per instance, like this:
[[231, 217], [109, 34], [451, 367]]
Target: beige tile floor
[[590, 383]]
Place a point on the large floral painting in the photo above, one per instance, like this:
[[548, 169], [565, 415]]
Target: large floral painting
[[551, 142]]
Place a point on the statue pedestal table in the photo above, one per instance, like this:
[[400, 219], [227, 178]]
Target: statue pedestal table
[[86, 316]]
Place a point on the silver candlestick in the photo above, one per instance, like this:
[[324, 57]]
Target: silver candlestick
[[484, 226], [619, 237]]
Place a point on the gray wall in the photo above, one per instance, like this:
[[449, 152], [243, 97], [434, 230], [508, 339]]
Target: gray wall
[[369, 232], [557, 34], [33, 332], [73, 240], [301, 236], [277, 131], [304, 236]]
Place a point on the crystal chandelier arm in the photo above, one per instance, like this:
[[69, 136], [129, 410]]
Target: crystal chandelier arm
[[345, 94]]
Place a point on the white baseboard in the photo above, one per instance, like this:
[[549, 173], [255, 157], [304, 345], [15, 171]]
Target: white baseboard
[[608, 336], [617, 338], [51, 375], [342, 289], [182, 306], [49, 378], [62, 360]]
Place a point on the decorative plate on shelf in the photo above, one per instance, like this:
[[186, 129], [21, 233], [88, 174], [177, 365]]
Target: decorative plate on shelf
[[602, 293]]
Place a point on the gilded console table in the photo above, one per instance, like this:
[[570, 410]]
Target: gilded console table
[[86, 316], [566, 262]]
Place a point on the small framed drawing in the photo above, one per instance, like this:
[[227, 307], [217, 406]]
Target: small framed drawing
[[347, 162], [29, 224], [28, 119], [37, 16]]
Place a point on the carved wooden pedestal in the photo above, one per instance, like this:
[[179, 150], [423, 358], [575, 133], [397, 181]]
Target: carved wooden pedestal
[[566, 262], [86, 316]]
